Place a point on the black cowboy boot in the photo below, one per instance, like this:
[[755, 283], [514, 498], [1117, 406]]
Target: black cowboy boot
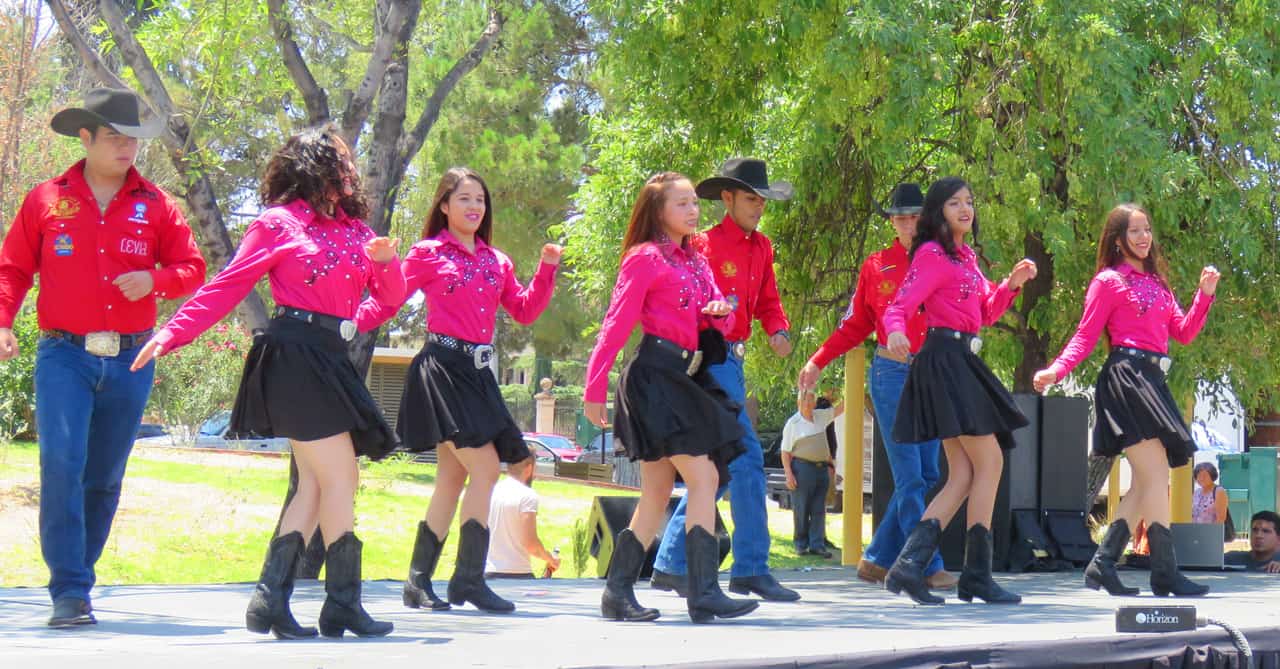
[[1101, 572], [975, 580], [417, 588], [619, 600], [269, 607], [342, 609], [907, 572], [706, 600], [467, 584], [677, 583], [1165, 577]]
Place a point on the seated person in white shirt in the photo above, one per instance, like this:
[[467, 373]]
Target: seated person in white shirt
[[808, 454], [513, 526]]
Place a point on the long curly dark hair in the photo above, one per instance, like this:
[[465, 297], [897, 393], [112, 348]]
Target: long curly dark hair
[[312, 165], [437, 220], [932, 226]]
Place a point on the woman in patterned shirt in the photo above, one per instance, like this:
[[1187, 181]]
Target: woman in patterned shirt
[[451, 402]]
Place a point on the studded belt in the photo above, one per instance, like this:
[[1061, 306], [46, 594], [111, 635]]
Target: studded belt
[[689, 360], [974, 341], [481, 354], [345, 328], [1163, 362]]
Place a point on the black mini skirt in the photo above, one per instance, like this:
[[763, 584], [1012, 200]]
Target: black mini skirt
[[299, 383], [951, 392], [1133, 404], [663, 410], [447, 398]]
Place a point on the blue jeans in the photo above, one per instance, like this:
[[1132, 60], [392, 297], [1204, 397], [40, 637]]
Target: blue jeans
[[87, 414], [809, 504], [746, 492], [915, 468]]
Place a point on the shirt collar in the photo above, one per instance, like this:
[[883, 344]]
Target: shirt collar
[[668, 245], [75, 177], [447, 237], [1125, 269], [303, 211], [730, 227]]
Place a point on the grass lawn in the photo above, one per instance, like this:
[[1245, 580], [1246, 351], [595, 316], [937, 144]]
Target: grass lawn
[[191, 516]]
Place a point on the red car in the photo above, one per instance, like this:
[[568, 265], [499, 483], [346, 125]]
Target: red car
[[551, 447]]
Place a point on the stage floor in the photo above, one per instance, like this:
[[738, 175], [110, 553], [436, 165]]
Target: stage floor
[[839, 620]]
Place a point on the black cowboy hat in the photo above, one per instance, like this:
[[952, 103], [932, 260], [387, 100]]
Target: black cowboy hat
[[114, 107], [906, 199], [746, 174]]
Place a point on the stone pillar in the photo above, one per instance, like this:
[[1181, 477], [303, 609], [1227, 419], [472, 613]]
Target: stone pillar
[[545, 415]]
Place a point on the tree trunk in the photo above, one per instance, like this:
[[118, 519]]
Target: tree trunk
[[1035, 344]]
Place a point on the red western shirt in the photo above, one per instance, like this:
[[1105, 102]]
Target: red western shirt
[[878, 281], [78, 251], [742, 263]]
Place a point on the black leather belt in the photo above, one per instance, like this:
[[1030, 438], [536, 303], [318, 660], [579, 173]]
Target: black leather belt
[[480, 354], [691, 360], [974, 341], [1163, 362], [345, 328], [126, 340]]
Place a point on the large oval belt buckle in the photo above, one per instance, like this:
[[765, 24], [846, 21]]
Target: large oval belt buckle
[[347, 330], [102, 344], [975, 345], [481, 355], [1165, 364], [739, 350]]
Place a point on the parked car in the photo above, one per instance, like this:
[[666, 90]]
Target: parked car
[[214, 434], [146, 430], [592, 452], [552, 447]]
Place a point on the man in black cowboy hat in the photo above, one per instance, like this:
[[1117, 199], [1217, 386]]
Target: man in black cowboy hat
[[106, 243], [914, 466], [741, 258]]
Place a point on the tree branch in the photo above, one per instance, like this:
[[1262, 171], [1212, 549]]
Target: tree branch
[[312, 95], [413, 141], [88, 56], [387, 43]]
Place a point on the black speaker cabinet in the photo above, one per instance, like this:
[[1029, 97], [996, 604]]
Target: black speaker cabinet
[[612, 514], [1018, 480], [1064, 453]]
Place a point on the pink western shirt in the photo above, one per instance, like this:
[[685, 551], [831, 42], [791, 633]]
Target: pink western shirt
[[463, 289], [955, 294], [664, 287], [313, 262], [1137, 309]]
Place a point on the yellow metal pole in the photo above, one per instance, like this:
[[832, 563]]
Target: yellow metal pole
[[855, 373], [1180, 481], [1113, 490]]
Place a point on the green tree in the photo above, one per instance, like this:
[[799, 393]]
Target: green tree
[[1054, 110]]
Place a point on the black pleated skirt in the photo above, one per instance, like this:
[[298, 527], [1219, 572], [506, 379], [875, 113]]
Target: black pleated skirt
[[446, 398], [950, 392], [299, 383], [1134, 404], [662, 411]]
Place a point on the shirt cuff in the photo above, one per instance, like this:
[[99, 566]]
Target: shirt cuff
[[164, 338]]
